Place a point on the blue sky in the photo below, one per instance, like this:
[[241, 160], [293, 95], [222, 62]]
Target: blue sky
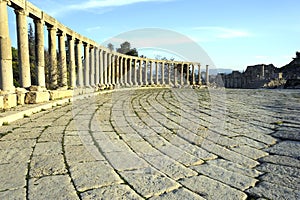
[[233, 33]]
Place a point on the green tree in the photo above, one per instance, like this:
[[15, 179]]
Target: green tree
[[15, 65], [110, 46], [126, 49]]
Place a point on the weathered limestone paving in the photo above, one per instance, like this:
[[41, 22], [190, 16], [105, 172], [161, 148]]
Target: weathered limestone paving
[[157, 143]]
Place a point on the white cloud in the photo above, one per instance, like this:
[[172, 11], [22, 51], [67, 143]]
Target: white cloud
[[92, 5], [92, 29], [222, 32]]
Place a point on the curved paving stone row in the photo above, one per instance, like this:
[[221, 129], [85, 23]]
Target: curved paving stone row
[[157, 144]]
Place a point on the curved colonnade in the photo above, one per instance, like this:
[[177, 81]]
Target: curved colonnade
[[83, 64]]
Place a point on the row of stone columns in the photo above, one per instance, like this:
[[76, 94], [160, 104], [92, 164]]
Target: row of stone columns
[[82, 64]]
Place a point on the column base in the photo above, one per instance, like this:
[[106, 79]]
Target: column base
[[21, 93], [34, 97], [8, 101], [60, 94]]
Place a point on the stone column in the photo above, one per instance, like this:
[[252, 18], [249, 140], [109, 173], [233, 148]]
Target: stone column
[[109, 69], [207, 75], [92, 65], [175, 74], [130, 71], [117, 62], [151, 73], [181, 74], [6, 70], [97, 67], [53, 57], [62, 59], [141, 72], [169, 73], [121, 71], [163, 73], [86, 64], [193, 74], [125, 71], [23, 48], [135, 72], [101, 67], [79, 63], [156, 73], [113, 69], [72, 67], [39, 52], [199, 74], [105, 66], [146, 73], [188, 74]]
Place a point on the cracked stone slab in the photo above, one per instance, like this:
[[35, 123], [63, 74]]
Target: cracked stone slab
[[281, 160], [48, 148], [286, 148], [125, 160], [13, 194], [149, 182], [116, 192], [212, 189], [273, 191], [230, 178], [13, 176], [80, 154], [178, 194], [92, 175], [170, 167], [52, 187], [234, 167], [46, 165]]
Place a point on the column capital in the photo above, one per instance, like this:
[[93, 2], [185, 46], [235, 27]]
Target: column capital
[[21, 11]]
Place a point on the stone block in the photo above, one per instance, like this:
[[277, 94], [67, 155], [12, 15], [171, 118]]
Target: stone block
[[1, 102], [60, 94], [33, 97], [9, 101]]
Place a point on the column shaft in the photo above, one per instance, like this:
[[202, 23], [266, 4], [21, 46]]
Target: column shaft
[[53, 57], [175, 74], [188, 74], [181, 74], [109, 69], [207, 75], [156, 73], [193, 74], [23, 48], [97, 66], [101, 67], [113, 69], [199, 74], [117, 70], [62, 60], [105, 67], [72, 67], [141, 72], [151, 73], [79, 63], [121, 71], [6, 70], [39, 52], [130, 71], [146, 73], [163, 73], [169, 73], [135, 72], [125, 72], [92, 65], [86, 65]]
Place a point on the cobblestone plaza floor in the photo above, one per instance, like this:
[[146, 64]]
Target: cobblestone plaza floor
[[157, 144]]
